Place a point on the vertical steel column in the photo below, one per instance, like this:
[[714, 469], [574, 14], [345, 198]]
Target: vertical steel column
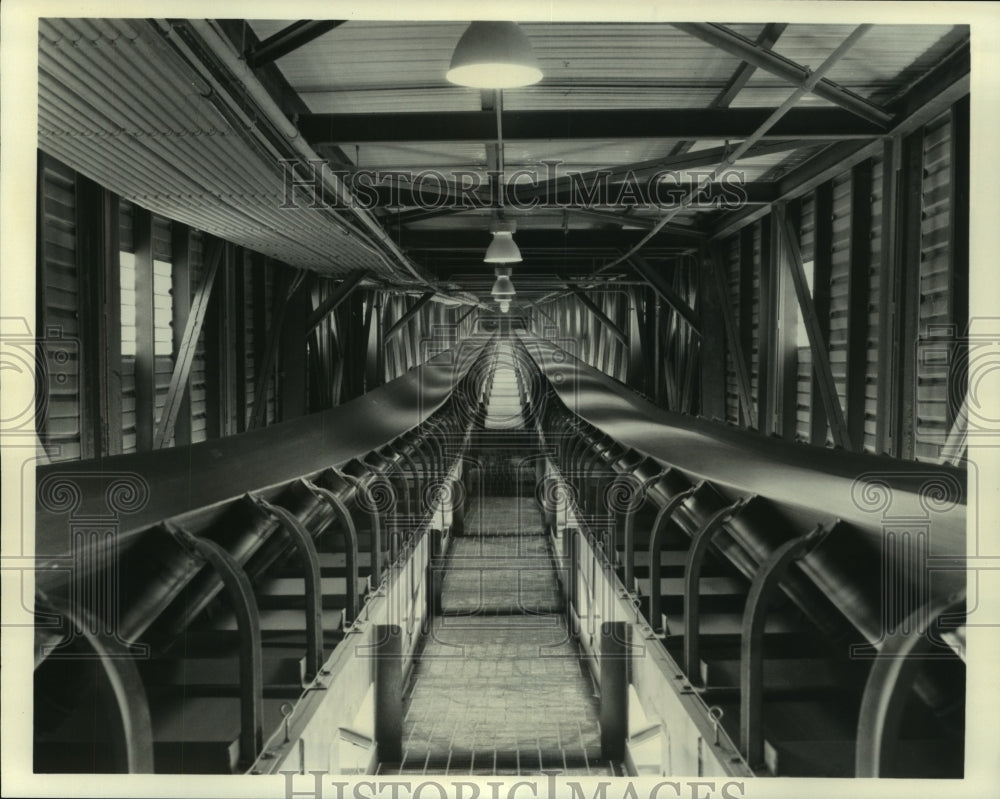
[[435, 572], [888, 351], [713, 343], [458, 499], [908, 296], [763, 589], [858, 303], [98, 308], [183, 296], [614, 688], [822, 267], [145, 344], [768, 332], [732, 336], [692, 577], [388, 679], [573, 598]]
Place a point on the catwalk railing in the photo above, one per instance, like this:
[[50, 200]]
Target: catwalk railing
[[777, 614], [215, 631]]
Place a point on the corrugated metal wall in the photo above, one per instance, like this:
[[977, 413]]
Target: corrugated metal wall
[[732, 267], [931, 273], [753, 361], [61, 306], [249, 324], [582, 334], [163, 312], [58, 289], [874, 270], [840, 282], [803, 376], [198, 389], [935, 308], [422, 337]]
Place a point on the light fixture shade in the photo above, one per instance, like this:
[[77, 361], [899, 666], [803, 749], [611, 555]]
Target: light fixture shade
[[494, 55], [503, 287], [502, 249]]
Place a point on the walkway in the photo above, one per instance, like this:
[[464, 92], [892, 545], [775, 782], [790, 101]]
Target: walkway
[[500, 687]]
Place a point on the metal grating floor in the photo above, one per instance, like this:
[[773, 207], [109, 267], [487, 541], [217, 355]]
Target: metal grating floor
[[500, 687]]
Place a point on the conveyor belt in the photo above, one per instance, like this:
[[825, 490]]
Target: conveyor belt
[[239, 609]]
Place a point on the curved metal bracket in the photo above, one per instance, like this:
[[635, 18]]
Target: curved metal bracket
[[302, 539], [135, 742], [692, 578], [628, 531], [655, 548], [765, 586], [375, 537], [350, 538], [244, 604], [889, 684]]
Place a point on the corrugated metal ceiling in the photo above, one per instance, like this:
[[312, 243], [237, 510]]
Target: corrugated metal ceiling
[[143, 127], [119, 107], [377, 66], [367, 67]]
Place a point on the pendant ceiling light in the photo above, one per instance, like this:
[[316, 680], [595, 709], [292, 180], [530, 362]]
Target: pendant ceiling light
[[503, 289], [503, 249], [494, 55]]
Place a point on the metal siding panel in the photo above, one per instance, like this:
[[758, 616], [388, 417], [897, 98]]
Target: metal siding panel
[[199, 394], [163, 361], [755, 306], [871, 366], [61, 297], [803, 376], [271, 412], [732, 272], [931, 405], [839, 286], [129, 438], [125, 226], [161, 238], [250, 276]]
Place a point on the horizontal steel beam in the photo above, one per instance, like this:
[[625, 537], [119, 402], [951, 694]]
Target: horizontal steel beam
[[943, 86], [593, 191], [689, 166], [659, 123], [581, 242], [731, 42], [288, 39]]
